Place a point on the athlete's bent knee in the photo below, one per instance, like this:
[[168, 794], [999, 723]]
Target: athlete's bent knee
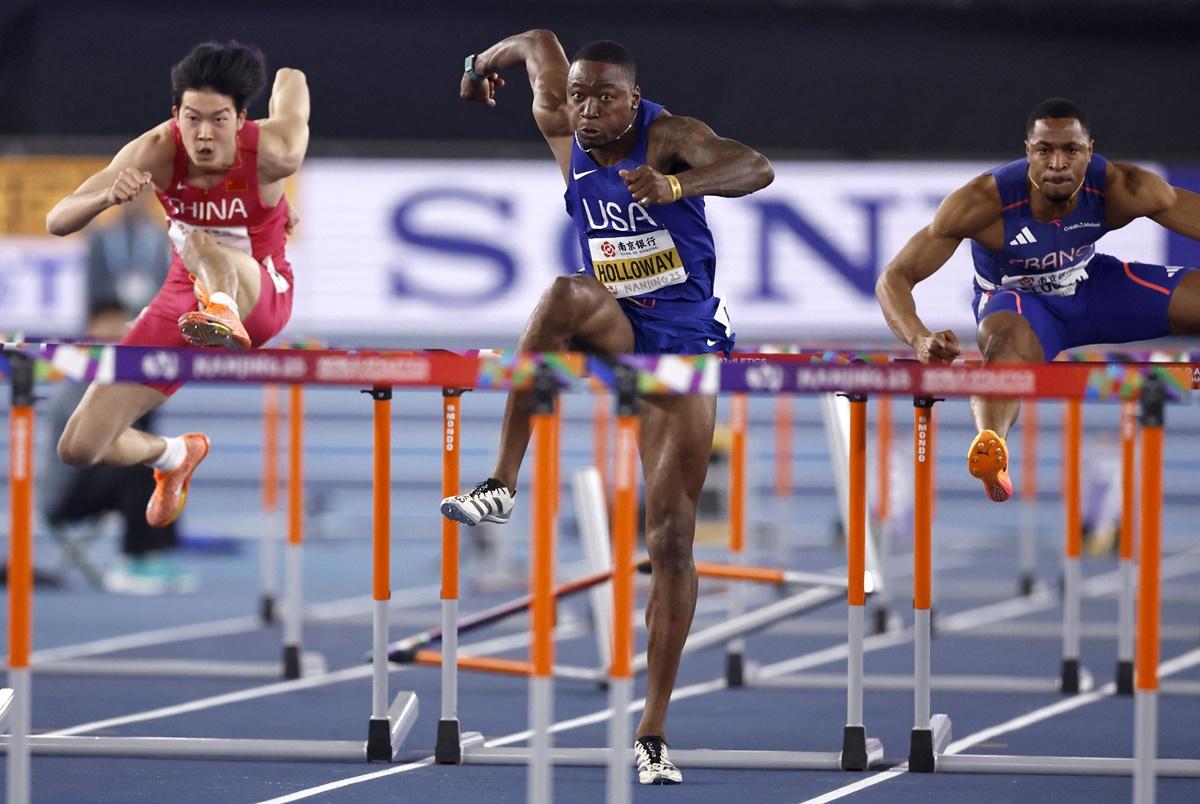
[[1008, 341], [669, 544], [74, 451], [571, 297]]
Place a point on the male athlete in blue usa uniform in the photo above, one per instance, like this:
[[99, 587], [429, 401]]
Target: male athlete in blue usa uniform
[[1040, 285], [635, 179], [658, 260]]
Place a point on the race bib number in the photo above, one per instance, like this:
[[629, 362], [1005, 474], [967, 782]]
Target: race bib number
[[237, 237], [1055, 283], [637, 264]]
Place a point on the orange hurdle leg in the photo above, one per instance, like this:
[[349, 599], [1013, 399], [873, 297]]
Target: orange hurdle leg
[[1125, 599], [20, 575], [1072, 570], [1148, 592], [268, 556], [1027, 549], [735, 650], [541, 683], [448, 748], [294, 568]]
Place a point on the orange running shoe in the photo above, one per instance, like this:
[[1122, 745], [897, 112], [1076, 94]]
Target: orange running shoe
[[988, 461], [170, 488], [215, 325]]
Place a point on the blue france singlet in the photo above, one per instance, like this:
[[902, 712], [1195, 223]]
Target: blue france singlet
[[1042, 257], [660, 252]]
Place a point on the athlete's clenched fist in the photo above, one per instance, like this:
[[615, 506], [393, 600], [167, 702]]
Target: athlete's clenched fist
[[647, 185], [128, 184]]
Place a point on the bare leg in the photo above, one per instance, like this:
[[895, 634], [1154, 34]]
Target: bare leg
[[223, 269], [575, 311], [99, 431], [1184, 309], [676, 439], [1004, 337]]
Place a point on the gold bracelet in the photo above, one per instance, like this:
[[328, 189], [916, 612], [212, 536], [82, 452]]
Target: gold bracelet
[[676, 190]]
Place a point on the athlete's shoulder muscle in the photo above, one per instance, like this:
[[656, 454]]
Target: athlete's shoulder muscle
[[970, 210], [1131, 192], [153, 151]]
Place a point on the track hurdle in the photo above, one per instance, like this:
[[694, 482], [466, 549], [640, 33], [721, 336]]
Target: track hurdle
[[380, 744], [294, 662], [1143, 766], [268, 540]]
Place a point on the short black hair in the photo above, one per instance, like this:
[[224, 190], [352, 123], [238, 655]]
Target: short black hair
[[231, 68], [1057, 107], [608, 52]]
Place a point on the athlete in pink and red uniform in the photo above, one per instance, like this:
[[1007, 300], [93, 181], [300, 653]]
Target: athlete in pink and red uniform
[[220, 179]]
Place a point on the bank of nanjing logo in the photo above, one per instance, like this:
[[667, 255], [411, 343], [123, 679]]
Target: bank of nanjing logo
[[1023, 238]]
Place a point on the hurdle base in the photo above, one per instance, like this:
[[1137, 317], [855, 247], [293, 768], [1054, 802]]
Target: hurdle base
[[1027, 585], [685, 757], [311, 664], [385, 734], [266, 610], [859, 750], [735, 670], [897, 682], [1070, 677], [1124, 677], [451, 740], [881, 619], [291, 662], [927, 744]]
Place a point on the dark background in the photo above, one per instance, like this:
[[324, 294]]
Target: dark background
[[851, 79]]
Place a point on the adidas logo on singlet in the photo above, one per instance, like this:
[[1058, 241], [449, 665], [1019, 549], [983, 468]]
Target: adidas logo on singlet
[[1023, 238]]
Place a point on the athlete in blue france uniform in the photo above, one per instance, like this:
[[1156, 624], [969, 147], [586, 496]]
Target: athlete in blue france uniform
[[636, 177], [1040, 285]]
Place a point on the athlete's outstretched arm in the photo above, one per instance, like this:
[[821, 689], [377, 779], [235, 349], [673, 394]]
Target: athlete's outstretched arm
[[709, 165], [1135, 193], [131, 171], [284, 138], [963, 213], [546, 65]]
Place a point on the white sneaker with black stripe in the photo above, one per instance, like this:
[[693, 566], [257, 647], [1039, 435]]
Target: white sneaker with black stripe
[[490, 501], [653, 764]]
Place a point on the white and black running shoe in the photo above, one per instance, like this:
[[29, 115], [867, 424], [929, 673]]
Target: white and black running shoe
[[490, 501], [653, 764]]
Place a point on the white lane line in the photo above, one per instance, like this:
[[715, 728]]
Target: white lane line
[[496, 645], [331, 786], [1168, 668], [690, 691]]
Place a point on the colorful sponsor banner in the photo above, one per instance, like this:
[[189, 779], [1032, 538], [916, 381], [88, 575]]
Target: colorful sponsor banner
[[656, 374], [457, 253]]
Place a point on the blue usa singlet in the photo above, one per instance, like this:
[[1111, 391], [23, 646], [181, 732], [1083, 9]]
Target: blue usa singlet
[[658, 260]]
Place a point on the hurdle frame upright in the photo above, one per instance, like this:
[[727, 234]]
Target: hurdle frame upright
[[20, 577]]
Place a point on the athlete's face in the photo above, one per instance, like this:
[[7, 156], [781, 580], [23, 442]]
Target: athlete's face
[[601, 102], [209, 124], [1059, 150]]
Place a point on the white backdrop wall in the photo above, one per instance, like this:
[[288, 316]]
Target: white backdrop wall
[[456, 252]]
